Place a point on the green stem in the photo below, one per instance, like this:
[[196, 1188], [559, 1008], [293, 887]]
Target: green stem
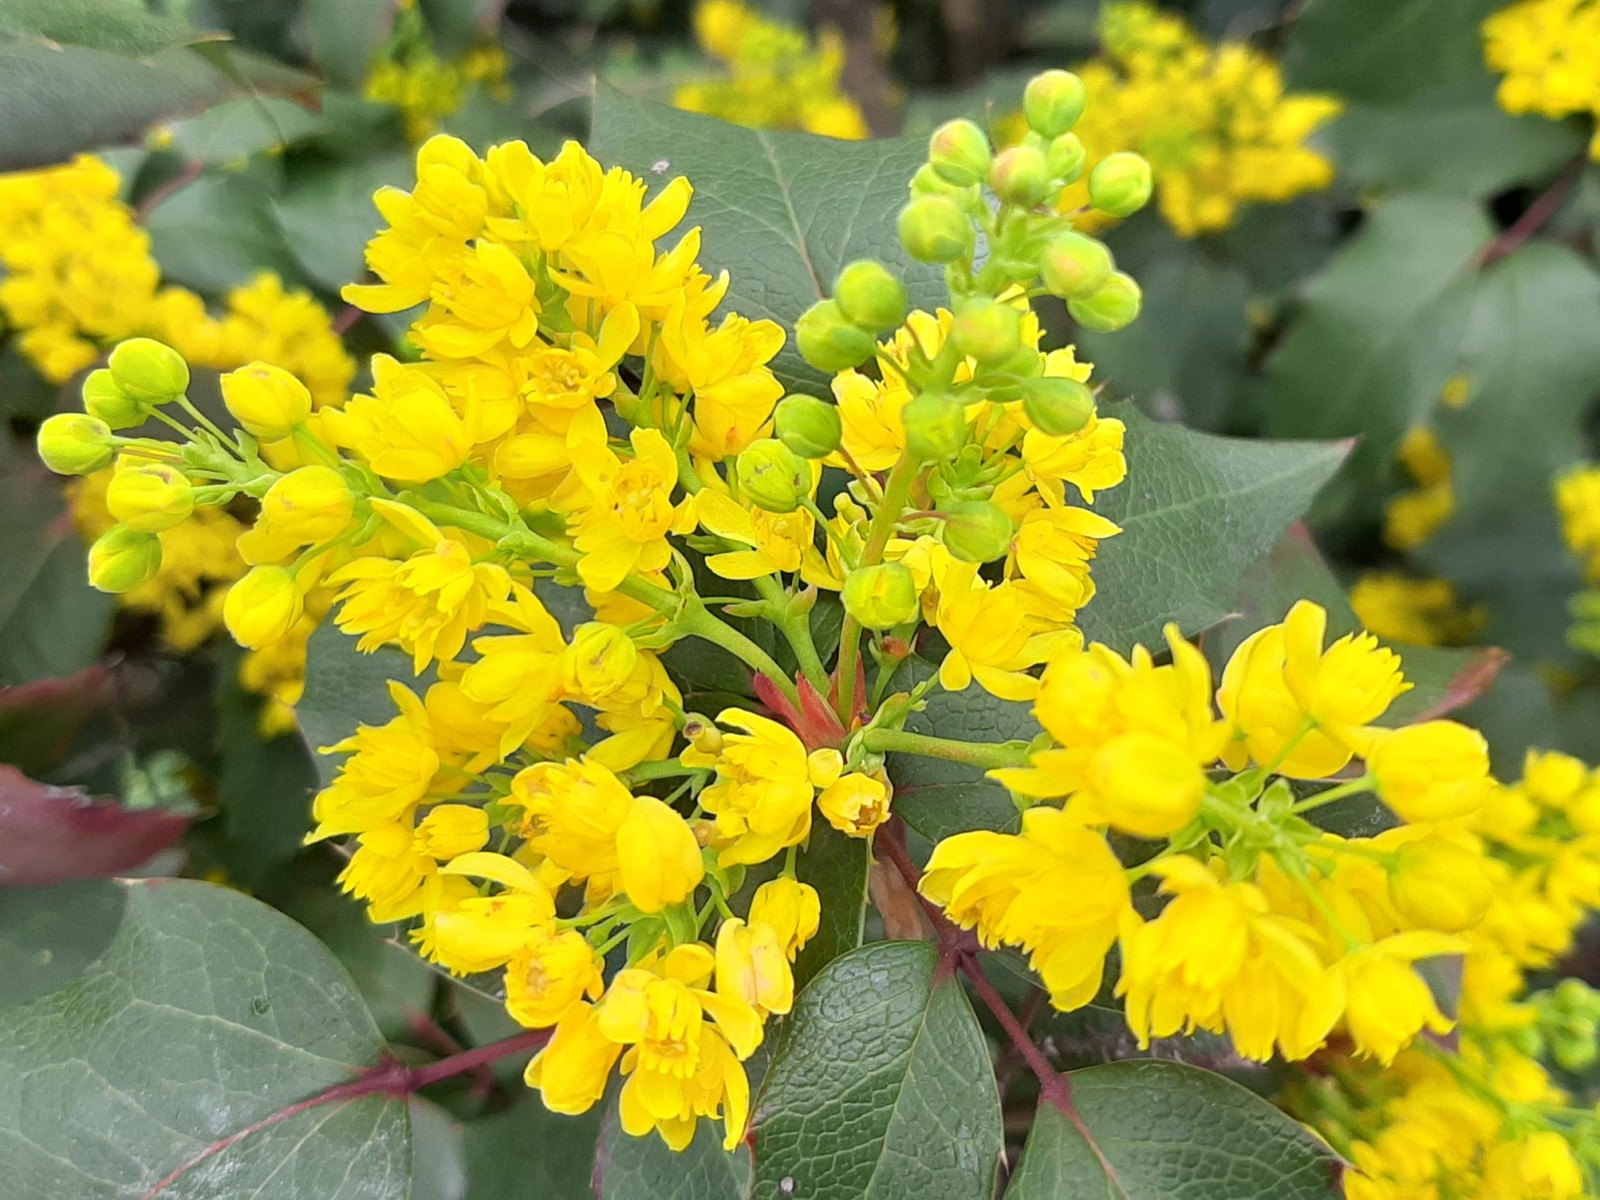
[[796, 629], [986, 755], [896, 489], [699, 622], [1354, 788]]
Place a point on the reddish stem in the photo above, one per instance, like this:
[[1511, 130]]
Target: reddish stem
[[1537, 213], [391, 1078], [191, 171], [348, 316]]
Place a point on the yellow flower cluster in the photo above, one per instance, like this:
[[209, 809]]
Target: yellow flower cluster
[[1417, 514], [1549, 52], [425, 87], [1577, 494], [1215, 123], [1422, 612], [776, 79], [1274, 931]]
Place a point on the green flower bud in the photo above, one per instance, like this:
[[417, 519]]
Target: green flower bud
[[103, 397], [808, 426], [1065, 158], [977, 531], [1020, 176], [1110, 307], [150, 497], [986, 330], [74, 443], [149, 371], [1053, 102], [121, 559], [959, 152], [928, 182], [773, 477], [936, 426], [1074, 264], [934, 229], [1120, 184], [881, 596], [869, 296], [829, 341], [1057, 405], [1574, 1049]]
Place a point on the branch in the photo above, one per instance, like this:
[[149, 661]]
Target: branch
[[1537, 213], [393, 1079]]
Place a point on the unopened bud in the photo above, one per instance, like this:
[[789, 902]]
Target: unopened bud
[[1440, 885], [600, 660], [149, 371], [103, 397], [869, 296], [74, 443], [977, 531], [959, 152], [1053, 102], [701, 732], [881, 596], [829, 340], [150, 497], [122, 558], [772, 476], [310, 505], [1065, 157], [1110, 307], [1120, 184], [986, 330], [934, 229], [928, 182], [262, 607], [808, 426], [1574, 1048], [935, 425], [1019, 176], [1074, 264], [266, 400], [1057, 405]]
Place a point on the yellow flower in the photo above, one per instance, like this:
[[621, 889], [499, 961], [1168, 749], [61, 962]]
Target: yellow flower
[[1424, 612], [762, 795], [623, 531], [481, 932], [1090, 460], [1386, 1003], [306, 507], [658, 857], [1434, 771], [1578, 502], [855, 804], [1546, 49], [1052, 551], [572, 1070], [266, 400], [263, 607], [991, 639], [550, 977], [450, 830], [406, 430], [480, 300], [790, 909], [776, 541], [390, 769], [753, 968]]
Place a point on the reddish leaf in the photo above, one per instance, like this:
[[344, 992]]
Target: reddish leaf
[[38, 719], [50, 834]]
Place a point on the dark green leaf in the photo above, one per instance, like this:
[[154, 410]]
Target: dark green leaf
[[218, 233], [530, 1151], [327, 215], [1171, 1132], [97, 25], [630, 1168], [345, 688], [1195, 512], [345, 35], [207, 1012], [836, 865], [781, 212], [438, 1153], [49, 936], [880, 1086], [235, 129], [1385, 50]]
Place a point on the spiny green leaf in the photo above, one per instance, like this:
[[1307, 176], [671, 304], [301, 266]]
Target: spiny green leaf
[[1171, 1132], [880, 1086], [217, 234]]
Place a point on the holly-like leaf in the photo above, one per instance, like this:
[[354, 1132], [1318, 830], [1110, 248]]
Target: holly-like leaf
[[1195, 512], [836, 865], [1167, 1131], [205, 1014], [645, 1168], [327, 215], [50, 834], [880, 1086], [781, 212]]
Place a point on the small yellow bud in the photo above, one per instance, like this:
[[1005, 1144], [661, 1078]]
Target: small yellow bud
[[1110, 307], [150, 497], [881, 596], [1144, 785], [74, 443], [977, 531], [808, 426], [789, 908], [103, 397], [701, 732], [959, 152], [262, 607], [122, 558], [148, 371], [450, 830], [1074, 265], [266, 400], [936, 426], [601, 659], [856, 804], [934, 229], [829, 340], [772, 477], [308, 506], [1052, 102], [869, 296], [1120, 184], [1057, 405], [1433, 771], [986, 330], [1440, 885], [1020, 176], [658, 857]]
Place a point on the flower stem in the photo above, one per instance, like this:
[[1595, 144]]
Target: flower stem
[[986, 755], [896, 489]]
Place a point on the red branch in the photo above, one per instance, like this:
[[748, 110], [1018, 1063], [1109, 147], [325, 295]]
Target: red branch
[[392, 1078], [192, 170], [1536, 214]]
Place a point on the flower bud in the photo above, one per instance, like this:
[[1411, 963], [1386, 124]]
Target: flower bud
[[934, 229], [808, 426], [881, 596], [601, 659], [790, 908], [74, 443], [122, 558], [959, 152], [1143, 785], [1110, 307], [150, 497], [1074, 264], [311, 505], [869, 296], [936, 426], [1439, 885], [1120, 184], [986, 330], [149, 371], [1019, 176], [977, 531], [772, 476], [262, 607], [855, 804], [1065, 157], [1431, 771], [266, 400], [1052, 102], [1057, 405], [103, 397], [829, 340], [928, 182], [701, 732], [1574, 1047], [450, 830]]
